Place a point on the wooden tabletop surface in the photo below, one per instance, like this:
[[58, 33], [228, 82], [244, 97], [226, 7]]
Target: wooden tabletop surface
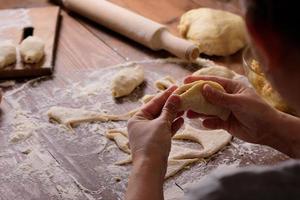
[[79, 165]]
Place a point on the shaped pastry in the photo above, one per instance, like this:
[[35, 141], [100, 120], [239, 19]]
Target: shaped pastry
[[192, 99], [126, 80]]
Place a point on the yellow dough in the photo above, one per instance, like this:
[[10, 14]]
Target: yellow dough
[[32, 50], [192, 99], [126, 80], [8, 53], [216, 32], [219, 71]]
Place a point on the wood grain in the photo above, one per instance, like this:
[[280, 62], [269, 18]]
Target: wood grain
[[82, 48]]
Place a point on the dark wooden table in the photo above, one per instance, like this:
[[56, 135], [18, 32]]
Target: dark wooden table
[[64, 165]]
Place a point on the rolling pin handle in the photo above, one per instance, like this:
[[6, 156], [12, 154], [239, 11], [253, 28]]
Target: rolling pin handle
[[178, 46]]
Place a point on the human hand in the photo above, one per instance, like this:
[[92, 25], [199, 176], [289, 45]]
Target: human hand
[[251, 119], [151, 129]]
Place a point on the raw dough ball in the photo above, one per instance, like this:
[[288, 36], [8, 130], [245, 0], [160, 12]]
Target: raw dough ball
[[192, 99], [216, 32], [219, 71], [8, 53], [126, 80], [32, 50]]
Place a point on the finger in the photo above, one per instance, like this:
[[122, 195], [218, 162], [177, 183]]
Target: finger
[[218, 97], [180, 114], [170, 110], [176, 125], [214, 123], [153, 108], [228, 84], [192, 115]]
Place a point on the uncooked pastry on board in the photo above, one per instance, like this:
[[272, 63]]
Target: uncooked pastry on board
[[216, 32], [32, 50], [218, 71], [192, 99], [8, 53], [126, 80]]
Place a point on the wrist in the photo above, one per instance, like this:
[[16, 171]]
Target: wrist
[[285, 136], [154, 165]]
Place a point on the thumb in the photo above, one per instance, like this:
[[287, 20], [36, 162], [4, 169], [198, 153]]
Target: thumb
[[170, 109], [218, 97]]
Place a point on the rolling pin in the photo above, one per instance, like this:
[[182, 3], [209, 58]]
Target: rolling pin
[[138, 28]]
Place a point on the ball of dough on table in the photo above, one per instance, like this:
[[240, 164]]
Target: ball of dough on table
[[126, 80], [8, 53], [219, 71], [192, 99], [216, 32], [32, 50]]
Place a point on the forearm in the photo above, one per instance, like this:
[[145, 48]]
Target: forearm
[[146, 179], [286, 135]]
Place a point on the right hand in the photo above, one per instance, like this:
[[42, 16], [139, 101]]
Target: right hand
[[251, 118]]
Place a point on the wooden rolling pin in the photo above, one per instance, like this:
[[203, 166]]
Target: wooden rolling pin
[[133, 26]]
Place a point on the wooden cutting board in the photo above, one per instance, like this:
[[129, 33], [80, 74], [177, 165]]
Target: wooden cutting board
[[17, 24]]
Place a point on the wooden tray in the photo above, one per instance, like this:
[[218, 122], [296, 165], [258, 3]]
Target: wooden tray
[[20, 23]]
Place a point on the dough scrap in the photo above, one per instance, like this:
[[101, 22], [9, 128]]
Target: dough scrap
[[219, 71], [126, 80], [180, 157], [73, 116], [192, 99], [120, 137], [164, 83], [211, 140], [8, 54], [216, 32], [32, 50]]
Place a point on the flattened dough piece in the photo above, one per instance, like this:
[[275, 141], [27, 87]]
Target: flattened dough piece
[[120, 137], [32, 50], [216, 32], [74, 116], [164, 83], [211, 140], [126, 80], [192, 99], [219, 71], [176, 165], [8, 53]]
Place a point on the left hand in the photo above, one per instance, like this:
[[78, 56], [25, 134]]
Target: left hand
[[151, 129]]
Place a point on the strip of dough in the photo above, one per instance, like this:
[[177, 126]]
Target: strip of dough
[[192, 99], [126, 80], [164, 83], [73, 116], [211, 140], [120, 137]]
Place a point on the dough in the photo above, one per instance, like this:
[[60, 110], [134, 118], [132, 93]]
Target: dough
[[219, 71], [73, 116], [8, 53], [120, 137], [211, 141], [126, 80], [146, 98], [32, 50], [192, 99], [216, 32], [180, 157], [164, 83]]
